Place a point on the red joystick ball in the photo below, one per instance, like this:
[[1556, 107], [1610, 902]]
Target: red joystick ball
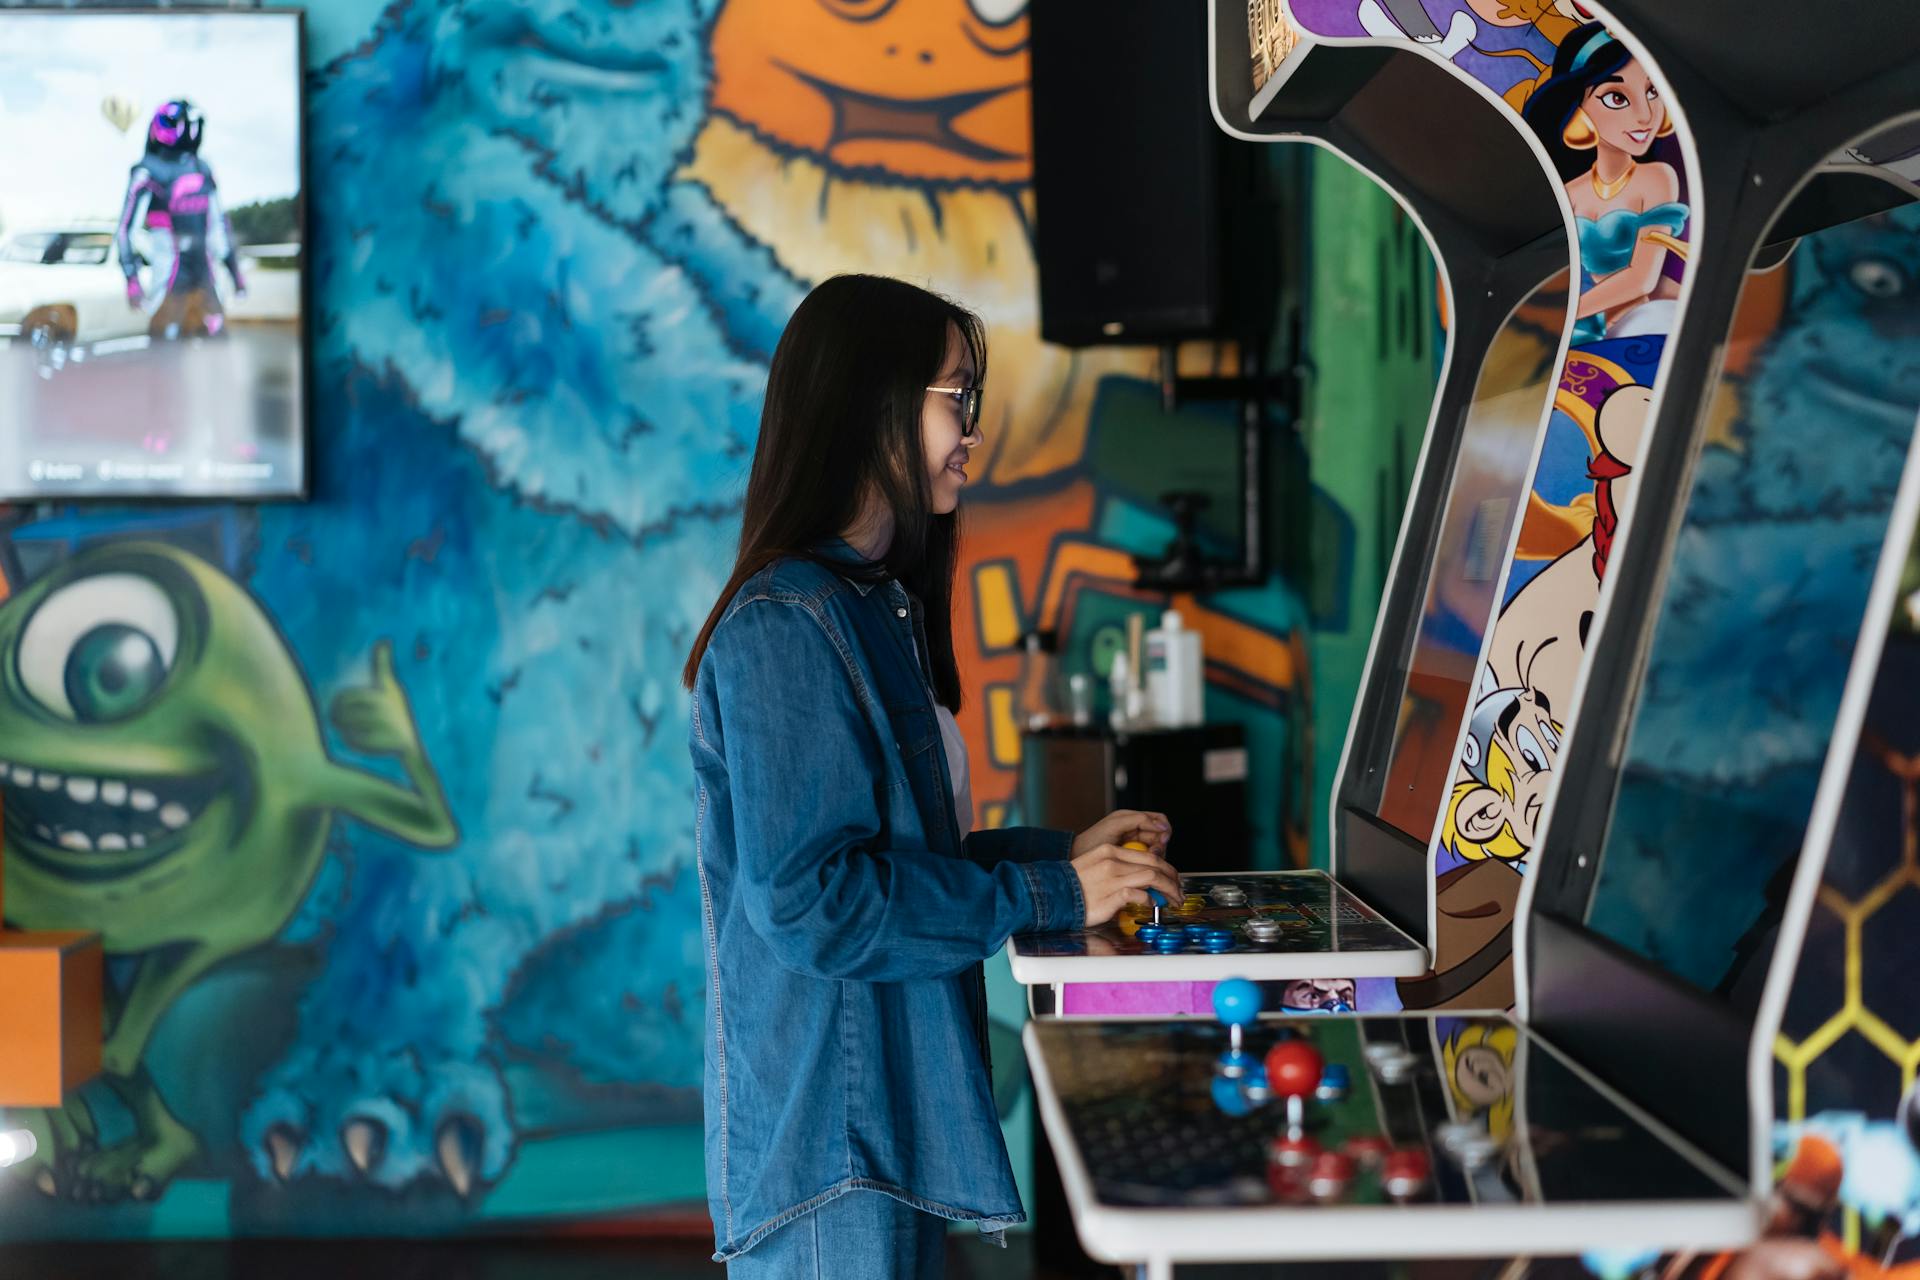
[[1294, 1068]]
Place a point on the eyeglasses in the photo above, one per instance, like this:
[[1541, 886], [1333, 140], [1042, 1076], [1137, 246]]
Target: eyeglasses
[[968, 401]]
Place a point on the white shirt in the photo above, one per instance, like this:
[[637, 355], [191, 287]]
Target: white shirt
[[959, 773], [957, 769]]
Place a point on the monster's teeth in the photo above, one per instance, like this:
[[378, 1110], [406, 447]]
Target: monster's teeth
[[174, 815], [50, 782], [82, 789], [144, 801], [22, 777], [112, 792], [76, 840], [111, 841]]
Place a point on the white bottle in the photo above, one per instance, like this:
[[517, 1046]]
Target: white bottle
[[1176, 673], [1119, 686]]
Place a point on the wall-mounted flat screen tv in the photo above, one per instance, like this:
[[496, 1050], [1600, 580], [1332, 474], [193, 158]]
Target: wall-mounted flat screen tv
[[152, 255]]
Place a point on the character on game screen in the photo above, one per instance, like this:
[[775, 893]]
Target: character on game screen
[[171, 194], [1319, 995], [1629, 210]]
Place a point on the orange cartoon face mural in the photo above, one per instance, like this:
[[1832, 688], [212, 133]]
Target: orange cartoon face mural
[[934, 90]]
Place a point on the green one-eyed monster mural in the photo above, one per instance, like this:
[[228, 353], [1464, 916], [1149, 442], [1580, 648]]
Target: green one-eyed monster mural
[[169, 786]]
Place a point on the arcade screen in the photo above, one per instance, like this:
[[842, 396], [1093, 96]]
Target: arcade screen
[[151, 255]]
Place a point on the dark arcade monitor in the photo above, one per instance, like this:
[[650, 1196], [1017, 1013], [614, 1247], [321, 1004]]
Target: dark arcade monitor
[[152, 262]]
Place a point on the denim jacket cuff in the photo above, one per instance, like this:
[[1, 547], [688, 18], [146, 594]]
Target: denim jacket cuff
[[1058, 905]]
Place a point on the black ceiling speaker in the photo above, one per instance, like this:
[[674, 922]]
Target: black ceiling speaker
[[1152, 225]]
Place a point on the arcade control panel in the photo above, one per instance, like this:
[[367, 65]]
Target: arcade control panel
[[1409, 1135], [1275, 925]]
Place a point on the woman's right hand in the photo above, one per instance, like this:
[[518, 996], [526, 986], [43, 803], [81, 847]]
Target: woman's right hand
[[1112, 876]]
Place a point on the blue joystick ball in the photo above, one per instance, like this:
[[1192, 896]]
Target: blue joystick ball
[[1159, 898], [1236, 1001]]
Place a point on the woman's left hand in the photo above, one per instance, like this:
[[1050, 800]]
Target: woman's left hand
[[1150, 829]]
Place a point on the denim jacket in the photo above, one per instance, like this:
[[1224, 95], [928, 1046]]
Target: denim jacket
[[845, 918]]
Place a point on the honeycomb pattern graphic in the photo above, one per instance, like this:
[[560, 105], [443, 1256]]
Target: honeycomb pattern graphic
[[1850, 1040]]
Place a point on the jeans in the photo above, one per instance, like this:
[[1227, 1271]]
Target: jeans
[[862, 1235]]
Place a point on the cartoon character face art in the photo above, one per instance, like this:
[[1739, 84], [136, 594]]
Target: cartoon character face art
[[1625, 110]]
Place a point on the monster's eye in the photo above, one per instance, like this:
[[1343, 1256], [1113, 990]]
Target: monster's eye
[[997, 13], [1877, 278], [97, 649]]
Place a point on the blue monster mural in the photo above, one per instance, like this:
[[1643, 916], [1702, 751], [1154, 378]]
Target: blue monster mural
[[552, 355]]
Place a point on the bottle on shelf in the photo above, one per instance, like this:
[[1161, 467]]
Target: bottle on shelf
[[1176, 679]]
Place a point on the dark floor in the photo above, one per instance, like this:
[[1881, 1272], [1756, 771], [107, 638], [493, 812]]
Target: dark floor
[[967, 1259]]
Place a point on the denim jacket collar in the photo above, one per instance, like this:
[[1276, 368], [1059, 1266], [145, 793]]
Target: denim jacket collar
[[840, 551]]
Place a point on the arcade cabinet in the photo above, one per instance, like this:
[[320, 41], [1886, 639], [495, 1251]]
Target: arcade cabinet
[[1575, 1073]]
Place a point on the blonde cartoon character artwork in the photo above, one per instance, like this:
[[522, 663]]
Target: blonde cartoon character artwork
[[1514, 738], [1503, 781], [1477, 1064]]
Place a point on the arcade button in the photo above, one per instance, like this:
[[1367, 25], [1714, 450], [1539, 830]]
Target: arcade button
[[1468, 1142], [1231, 1098], [1335, 1083], [1192, 904], [1146, 933], [1215, 945], [1287, 1183], [1261, 929], [1168, 944], [1392, 1063], [1293, 1151], [1367, 1148], [1374, 1050], [1397, 1070], [1404, 1173], [1228, 894], [1128, 923], [1330, 1175]]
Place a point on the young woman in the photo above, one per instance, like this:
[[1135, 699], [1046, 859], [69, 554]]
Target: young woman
[[848, 904]]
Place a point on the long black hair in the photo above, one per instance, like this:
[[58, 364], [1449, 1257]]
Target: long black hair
[[1586, 57], [842, 421]]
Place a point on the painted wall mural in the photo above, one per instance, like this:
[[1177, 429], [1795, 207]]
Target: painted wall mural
[[422, 737]]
